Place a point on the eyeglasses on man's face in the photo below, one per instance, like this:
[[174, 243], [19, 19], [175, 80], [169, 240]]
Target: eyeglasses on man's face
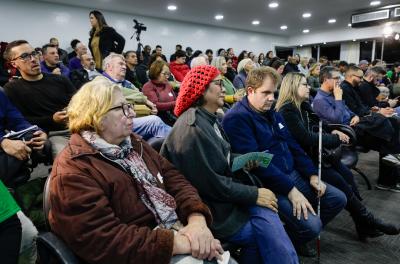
[[166, 73], [358, 76], [126, 108], [28, 56]]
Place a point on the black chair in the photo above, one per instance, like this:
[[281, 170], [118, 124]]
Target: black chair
[[350, 152], [51, 249]]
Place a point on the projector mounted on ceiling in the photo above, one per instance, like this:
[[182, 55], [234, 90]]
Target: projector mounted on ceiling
[[374, 18]]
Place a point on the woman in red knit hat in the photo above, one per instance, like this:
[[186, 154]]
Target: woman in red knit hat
[[198, 147]]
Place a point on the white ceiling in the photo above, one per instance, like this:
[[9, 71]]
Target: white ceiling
[[238, 14]]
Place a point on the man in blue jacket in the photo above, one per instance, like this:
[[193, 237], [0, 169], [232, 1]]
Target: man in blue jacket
[[252, 126]]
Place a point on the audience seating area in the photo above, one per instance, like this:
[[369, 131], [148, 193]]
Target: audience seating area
[[151, 87]]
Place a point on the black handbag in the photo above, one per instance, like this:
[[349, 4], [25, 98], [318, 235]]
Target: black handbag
[[15, 172]]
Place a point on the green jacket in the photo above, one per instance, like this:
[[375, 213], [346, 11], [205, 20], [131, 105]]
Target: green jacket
[[8, 207], [132, 95]]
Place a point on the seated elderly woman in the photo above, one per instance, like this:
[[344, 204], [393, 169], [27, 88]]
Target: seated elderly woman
[[159, 91], [197, 146], [294, 106], [116, 200], [232, 95], [244, 67]]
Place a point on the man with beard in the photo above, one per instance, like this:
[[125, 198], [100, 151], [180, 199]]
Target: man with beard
[[40, 97], [252, 126], [353, 77], [87, 73], [373, 130]]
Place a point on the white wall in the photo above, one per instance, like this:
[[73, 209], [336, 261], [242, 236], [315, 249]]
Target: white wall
[[303, 51], [350, 51], [38, 21], [338, 35]]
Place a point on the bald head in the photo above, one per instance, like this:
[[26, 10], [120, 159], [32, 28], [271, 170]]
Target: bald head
[[87, 61], [80, 49]]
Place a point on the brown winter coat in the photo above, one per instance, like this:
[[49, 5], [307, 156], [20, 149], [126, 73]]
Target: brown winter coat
[[96, 210]]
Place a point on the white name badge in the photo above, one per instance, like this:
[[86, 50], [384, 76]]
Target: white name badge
[[170, 94], [280, 126]]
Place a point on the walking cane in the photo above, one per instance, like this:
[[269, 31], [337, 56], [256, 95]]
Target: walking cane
[[319, 184]]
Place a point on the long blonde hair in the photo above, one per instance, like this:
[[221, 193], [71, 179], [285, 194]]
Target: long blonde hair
[[288, 93], [312, 68]]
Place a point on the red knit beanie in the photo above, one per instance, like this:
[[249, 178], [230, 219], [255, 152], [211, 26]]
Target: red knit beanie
[[193, 86]]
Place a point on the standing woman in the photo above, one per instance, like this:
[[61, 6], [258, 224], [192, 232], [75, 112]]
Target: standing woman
[[103, 39]]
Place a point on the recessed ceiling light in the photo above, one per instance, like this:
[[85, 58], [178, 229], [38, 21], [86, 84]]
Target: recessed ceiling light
[[331, 21], [375, 3], [354, 39], [283, 27], [349, 25], [255, 22], [273, 5], [219, 17], [306, 30], [324, 43], [172, 7], [301, 45], [307, 15], [397, 36]]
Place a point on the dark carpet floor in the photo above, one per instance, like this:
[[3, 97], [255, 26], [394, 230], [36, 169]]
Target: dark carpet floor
[[339, 244]]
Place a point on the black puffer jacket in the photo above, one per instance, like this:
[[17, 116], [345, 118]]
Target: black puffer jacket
[[110, 41]]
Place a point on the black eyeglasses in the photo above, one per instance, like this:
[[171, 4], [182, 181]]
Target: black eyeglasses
[[27, 56], [126, 108], [358, 76]]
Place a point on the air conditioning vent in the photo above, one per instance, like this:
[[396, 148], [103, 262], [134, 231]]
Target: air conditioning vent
[[370, 16], [397, 12]]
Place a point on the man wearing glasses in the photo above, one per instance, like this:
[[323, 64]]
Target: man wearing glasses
[[40, 97], [374, 130]]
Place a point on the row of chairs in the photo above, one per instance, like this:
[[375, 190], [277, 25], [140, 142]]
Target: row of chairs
[[51, 249]]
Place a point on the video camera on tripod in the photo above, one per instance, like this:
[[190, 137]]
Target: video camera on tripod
[[139, 27]]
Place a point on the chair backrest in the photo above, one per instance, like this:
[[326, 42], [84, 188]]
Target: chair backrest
[[46, 201]]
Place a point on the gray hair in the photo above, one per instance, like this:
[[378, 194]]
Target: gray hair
[[218, 61], [243, 63], [199, 60], [375, 71], [107, 60]]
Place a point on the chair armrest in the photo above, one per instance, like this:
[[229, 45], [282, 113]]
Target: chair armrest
[[346, 129], [49, 242]]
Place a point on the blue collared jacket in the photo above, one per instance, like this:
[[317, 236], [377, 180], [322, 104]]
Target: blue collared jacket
[[251, 131]]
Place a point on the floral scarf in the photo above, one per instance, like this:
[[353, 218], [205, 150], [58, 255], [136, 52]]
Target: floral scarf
[[156, 199]]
